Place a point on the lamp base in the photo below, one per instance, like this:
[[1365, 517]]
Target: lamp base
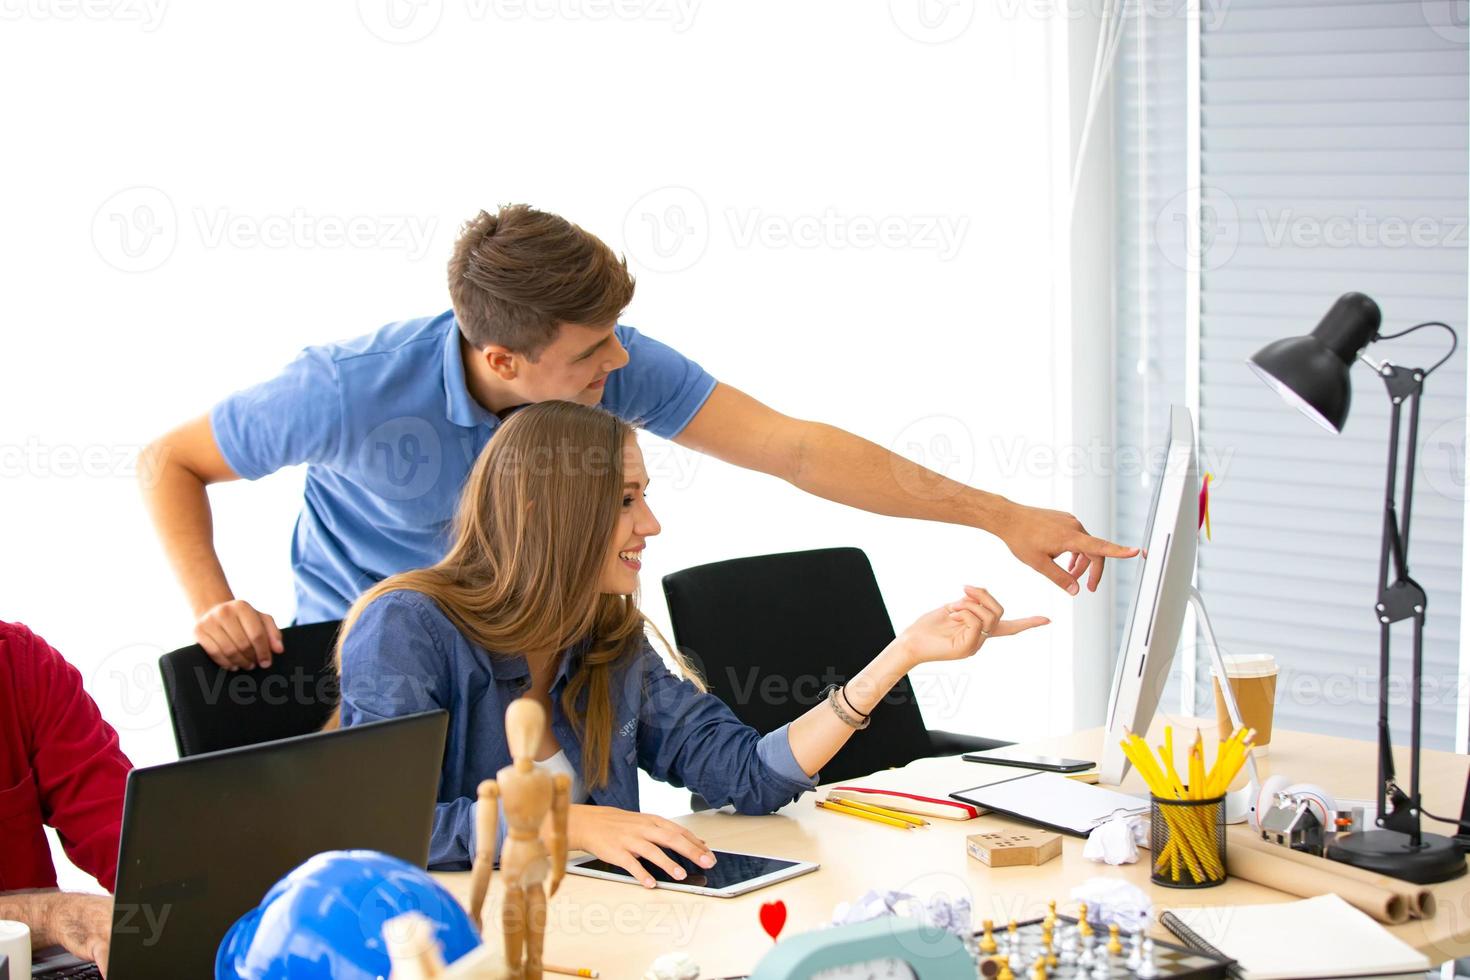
[[1388, 853]]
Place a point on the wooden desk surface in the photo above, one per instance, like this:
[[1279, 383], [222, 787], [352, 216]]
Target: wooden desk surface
[[619, 929]]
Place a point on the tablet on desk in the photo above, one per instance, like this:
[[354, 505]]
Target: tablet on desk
[[733, 874]]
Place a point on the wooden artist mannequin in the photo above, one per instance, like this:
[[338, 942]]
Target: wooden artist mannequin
[[536, 807]]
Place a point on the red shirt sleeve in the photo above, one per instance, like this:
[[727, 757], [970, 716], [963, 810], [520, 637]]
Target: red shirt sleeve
[[80, 773]]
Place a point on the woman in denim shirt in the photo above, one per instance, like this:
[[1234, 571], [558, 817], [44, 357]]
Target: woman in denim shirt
[[537, 598]]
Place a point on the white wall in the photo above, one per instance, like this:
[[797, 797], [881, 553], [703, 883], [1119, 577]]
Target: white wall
[[233, 145]]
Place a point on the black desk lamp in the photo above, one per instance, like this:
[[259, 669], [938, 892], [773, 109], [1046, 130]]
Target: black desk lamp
[[1311, 373]]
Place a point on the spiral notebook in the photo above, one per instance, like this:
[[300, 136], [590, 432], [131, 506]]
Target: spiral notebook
[[1315, 937]]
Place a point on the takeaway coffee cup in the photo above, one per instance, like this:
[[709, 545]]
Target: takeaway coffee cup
[[15, 945], [1253, 679]]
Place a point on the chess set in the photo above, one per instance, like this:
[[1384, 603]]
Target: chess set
[[1062, 948]]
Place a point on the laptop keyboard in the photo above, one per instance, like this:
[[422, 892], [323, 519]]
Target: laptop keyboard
[[82, 971]]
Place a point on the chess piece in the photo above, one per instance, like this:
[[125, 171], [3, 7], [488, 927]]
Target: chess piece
[[1038, 969], [1135, 951], [1050, 921], [1068, 945], [411, 947], [1083, 926], [1005, 972], [1115, 947], [527, 860], [987, 942], [1147, 968], [414, 952]]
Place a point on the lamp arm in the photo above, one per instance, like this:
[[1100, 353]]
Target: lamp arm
[[1399, 598]]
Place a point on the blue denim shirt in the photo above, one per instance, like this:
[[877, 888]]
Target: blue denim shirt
[[405, 656]]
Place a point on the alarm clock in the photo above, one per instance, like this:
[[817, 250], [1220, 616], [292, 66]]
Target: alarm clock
[[890, 948]]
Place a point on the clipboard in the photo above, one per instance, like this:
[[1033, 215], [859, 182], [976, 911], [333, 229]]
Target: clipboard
[[1053, 801]]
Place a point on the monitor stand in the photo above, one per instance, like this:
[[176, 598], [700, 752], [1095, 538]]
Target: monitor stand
[[1238, 804]]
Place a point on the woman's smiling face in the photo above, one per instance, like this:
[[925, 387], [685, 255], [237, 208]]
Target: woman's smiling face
[[635, 525]]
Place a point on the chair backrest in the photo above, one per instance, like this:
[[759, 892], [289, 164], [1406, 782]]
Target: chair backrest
[[213, 708], [770, 633]]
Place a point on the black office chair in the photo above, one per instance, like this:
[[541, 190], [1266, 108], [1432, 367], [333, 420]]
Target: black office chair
[[794, 623], [213, 708]]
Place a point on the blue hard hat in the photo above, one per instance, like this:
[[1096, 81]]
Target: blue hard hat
[[325, 920]]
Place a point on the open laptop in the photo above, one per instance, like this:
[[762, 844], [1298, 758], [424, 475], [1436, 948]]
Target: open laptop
[[204, 838]]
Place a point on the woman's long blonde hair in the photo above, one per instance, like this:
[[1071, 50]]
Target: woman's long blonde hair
[[532, 537]]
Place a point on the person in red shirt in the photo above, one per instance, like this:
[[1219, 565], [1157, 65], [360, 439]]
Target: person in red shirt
[[60, 765]]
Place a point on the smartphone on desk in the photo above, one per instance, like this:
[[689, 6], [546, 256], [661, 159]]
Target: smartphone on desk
[[1027, 760]]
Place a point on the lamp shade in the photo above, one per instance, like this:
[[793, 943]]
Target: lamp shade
[[1311, 372]]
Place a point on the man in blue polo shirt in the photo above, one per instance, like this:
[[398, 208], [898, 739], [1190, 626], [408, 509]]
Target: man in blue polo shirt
[[390, 424]]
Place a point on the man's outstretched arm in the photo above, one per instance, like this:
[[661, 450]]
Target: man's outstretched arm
[[839, 466], [173, 473]]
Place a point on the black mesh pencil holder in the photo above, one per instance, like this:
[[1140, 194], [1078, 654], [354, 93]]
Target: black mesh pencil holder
[[1188, 842]]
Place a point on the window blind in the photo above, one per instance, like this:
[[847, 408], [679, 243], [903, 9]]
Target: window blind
[[1149, 123], [1333, 157]]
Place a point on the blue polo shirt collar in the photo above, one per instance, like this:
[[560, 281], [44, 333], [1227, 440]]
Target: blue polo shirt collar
[[460, 406]]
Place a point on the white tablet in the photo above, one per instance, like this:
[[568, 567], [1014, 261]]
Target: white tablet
[[733, 874]]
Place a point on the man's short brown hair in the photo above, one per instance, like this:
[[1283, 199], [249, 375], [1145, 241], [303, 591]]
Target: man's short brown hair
[[517, 275]]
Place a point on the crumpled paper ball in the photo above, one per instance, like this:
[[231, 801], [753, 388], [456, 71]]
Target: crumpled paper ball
[[1111, 900], [673, 966], [1116, 841], [940, 912]]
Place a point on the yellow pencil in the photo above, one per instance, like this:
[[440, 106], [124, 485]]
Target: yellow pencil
[[570, 971], [1197, 768], [1238, 750], [1225, 768], [1148, 769], [1166, 752], [852, 812], [1141, 764], [882, 811]]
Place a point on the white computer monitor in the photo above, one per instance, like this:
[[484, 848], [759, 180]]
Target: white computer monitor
[[1156, 615]]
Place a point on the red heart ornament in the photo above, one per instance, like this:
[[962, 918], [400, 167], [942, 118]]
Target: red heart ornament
[[773, 918]]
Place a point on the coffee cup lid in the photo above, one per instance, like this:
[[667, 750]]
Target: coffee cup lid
[[1248, 665]]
